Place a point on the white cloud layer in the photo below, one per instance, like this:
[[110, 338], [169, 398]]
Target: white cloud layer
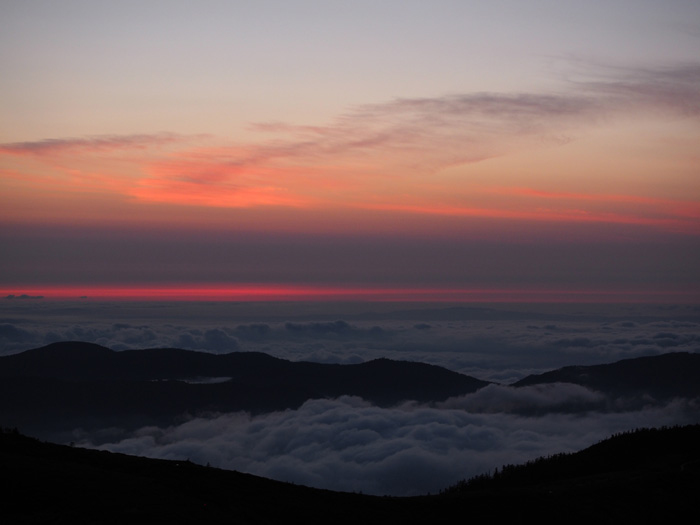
[[512, 343], [350, 445]]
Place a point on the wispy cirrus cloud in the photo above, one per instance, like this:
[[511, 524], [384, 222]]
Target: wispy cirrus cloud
[[463, 127], [673, 90], [363, 154], [389, 156], [94, 144]]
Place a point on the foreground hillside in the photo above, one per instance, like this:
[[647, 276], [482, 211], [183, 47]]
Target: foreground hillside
[[49, 483], [648, 476]]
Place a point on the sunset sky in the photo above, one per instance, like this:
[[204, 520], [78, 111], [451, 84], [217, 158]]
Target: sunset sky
[[454, 150]]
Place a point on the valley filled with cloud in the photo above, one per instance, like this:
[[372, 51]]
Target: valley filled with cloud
[[350, 444]]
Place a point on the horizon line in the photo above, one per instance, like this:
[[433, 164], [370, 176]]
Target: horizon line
[[251, 292]]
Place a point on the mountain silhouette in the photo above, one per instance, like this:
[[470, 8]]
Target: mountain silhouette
[[66, 385], [662, 376], [82, 384], [646, 476]]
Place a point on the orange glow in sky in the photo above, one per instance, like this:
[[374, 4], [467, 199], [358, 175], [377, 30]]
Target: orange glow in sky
[[332, 151]]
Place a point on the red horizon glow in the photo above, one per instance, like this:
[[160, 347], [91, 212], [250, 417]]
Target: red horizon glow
[[268, 293]]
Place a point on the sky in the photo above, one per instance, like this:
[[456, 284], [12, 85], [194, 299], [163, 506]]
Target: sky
[[393, 150]]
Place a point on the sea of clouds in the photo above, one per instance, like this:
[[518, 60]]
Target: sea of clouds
[[349, 444], [499, 343]]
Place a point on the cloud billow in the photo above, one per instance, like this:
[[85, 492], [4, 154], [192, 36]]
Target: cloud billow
[[348, 444]]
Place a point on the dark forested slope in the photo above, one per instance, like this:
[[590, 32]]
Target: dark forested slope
[[648, 476]]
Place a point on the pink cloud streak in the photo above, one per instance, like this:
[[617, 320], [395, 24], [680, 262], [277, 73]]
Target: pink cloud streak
[[381, 156]]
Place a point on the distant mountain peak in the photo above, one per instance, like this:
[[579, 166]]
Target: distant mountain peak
[[665, 375], [90, 382]]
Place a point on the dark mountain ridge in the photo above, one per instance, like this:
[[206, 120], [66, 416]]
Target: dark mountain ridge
[[664, 376], [648, 476], [77, 384], [51, 390], [78, 361]]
